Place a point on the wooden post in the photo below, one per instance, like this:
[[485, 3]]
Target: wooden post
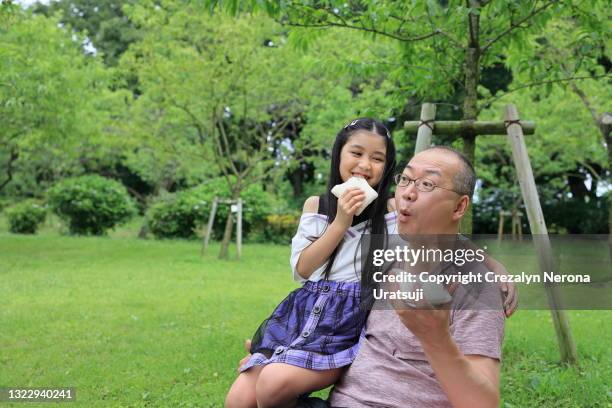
[[424, 130], [517, 228], [500, 227], [239, 229], [211, 220], [539, 232]]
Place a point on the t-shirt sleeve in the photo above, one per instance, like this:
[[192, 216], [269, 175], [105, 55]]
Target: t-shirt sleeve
[[311, 227], [478, 328]]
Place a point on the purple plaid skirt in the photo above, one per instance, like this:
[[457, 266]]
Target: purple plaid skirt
[[318, 326]]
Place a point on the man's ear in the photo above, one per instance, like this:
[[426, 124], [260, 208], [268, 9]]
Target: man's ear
[[461, 207]]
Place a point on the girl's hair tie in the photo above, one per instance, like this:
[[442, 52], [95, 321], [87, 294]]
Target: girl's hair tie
[[353, 123]]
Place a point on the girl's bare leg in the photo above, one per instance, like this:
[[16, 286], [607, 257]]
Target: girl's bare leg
[[242, 392], [279, 385]]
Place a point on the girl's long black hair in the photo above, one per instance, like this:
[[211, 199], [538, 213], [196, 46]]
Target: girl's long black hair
[[375, 212]]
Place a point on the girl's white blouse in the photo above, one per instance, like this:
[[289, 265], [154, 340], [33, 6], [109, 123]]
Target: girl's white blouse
[[347, 266]]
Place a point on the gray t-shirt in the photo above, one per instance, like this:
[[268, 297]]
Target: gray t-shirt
[[391, 369]]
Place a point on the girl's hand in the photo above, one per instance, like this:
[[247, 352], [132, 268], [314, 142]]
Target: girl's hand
[[348, 205], [510, 297], [247, 347], [508, 289]]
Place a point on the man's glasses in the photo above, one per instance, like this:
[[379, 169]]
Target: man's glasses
[[422, 184]]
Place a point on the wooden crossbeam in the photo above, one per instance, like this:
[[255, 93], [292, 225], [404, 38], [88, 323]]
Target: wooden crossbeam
[[469, 127]]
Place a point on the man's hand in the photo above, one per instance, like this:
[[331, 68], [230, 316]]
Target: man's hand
[[470, 381], [247, 347], [428, 323]]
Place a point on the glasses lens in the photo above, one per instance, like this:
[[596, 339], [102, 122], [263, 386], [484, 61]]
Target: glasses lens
[[400, 180], [425, 185]]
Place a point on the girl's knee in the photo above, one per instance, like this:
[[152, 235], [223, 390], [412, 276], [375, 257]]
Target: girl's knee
[[273, 391], [242, 394], [240, 399]]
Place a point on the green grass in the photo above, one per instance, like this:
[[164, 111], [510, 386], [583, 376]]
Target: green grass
[[131, 322]]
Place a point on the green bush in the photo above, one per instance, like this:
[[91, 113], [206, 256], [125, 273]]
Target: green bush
[[577, 216], [279, 229], [4, 203], [177, 215], [573, 216], [181, 213], [26, 217], [91, 205]]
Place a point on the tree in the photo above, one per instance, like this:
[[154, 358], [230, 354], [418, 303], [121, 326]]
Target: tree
[[103, 22], [52, 97], [571, 49], [566, 153], [231, 86], [445, 45]]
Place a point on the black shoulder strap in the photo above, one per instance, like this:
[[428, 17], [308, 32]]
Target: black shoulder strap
[[323, 204]]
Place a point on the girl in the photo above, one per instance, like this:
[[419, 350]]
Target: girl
[[315, 331]]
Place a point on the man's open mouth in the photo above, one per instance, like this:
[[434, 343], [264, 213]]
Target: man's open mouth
[[404, 215]]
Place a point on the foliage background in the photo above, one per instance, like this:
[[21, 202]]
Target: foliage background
[[180, 101], [163, 96]]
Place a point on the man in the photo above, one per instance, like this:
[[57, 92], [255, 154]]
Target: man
[[428, 358], [435, 357]]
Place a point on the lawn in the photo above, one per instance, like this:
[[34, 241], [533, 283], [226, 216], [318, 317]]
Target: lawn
[[133, 322]]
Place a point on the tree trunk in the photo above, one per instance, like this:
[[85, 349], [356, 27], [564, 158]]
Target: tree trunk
[[469, 146], [229, 223], [144, 230], [470, 104], [605, 125], [297, 182], [14, 155], [227, 236]]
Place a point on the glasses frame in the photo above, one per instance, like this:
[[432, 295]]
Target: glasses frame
[[418, 185]]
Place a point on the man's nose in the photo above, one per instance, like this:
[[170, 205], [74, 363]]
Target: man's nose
[[410, 192]]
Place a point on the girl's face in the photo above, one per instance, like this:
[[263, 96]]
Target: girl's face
[[364, 154]]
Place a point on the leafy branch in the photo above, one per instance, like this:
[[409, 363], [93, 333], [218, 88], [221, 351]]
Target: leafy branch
[[540, 83], [515, 25]]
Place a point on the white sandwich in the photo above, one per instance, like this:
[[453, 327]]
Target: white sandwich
[[361, 183]]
